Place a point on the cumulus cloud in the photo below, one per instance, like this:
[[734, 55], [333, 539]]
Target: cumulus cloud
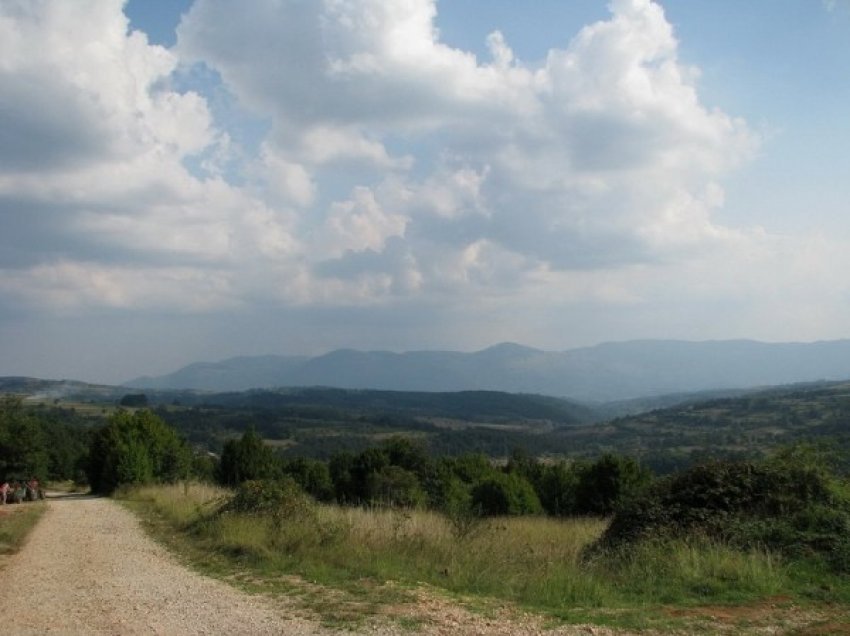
[[92, 174], [394, 166], [602, 156]]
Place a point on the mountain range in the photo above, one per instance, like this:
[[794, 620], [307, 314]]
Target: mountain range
[[601, 373]]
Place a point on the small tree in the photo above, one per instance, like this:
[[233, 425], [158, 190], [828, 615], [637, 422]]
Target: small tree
[[395, 486], [247, 459], [556, 487], [135, 448], [505, 494], [608, 482], [23, 450], [312, 475]]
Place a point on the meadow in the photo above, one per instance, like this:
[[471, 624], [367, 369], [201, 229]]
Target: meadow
[[370, 557]]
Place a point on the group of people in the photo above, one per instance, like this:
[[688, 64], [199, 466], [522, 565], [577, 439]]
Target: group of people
[[18, 491]]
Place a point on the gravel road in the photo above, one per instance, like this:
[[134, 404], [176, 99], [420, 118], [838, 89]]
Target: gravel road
[[88, 568]]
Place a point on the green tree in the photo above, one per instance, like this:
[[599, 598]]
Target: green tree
[[395, 486], [505, 494], [247, 459], [312, 475], [340, 467], [557, 488], [136, 448], [23, 452], [608, 482]]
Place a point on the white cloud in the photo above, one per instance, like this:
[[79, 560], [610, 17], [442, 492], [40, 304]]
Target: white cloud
[[395, 167], [94, 168], [603, 155]]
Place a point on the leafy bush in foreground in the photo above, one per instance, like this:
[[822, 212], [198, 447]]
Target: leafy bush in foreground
[[269, 497], [793, 507]]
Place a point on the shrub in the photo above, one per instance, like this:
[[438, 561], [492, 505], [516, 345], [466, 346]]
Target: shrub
[[283, 497], [505, 494], [789, 507]]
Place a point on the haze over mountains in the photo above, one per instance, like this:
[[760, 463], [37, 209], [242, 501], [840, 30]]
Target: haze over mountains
[[605, 372]]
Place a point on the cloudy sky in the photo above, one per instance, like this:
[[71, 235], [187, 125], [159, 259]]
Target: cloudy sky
[[194, 180]]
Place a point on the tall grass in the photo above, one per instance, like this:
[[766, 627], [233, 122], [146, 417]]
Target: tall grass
[[535, 561], [16, 522]]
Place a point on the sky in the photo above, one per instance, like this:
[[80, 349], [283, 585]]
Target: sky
[[186, 180]]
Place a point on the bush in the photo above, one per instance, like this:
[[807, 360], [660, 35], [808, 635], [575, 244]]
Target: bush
[[283, 497], [789, 507], [505, 494]]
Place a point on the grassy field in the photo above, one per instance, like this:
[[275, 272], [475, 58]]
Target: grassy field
[[372, 557], [16, 521]]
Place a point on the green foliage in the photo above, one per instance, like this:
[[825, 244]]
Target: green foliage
[[134, 400], [313, 475], [136, 448], [246, 459], [784, 504], [608, 482], [340, 467], [395, 486], [464, 518], [394, 473], [505, 494], [23, 443], [268, 497], [557, 487]]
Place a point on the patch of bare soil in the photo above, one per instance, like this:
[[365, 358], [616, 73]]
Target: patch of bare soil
[[777, 615]]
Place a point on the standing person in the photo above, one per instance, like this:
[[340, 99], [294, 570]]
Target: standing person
[[32, 489], [4, 491], [18, 492]]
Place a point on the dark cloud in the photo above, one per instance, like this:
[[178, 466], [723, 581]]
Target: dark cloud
[[46, 126]]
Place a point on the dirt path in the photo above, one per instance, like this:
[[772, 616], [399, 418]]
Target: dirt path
[[88, 568]]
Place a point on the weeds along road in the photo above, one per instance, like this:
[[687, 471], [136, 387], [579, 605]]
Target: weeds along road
[[88, 568]]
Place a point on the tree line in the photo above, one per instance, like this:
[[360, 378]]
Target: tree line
[[138, 447], [400, 472]]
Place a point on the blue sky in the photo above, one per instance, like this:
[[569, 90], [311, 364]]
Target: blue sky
[[193, 180]]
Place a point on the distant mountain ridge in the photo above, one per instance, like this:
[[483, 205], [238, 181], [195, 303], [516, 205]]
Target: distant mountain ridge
[[605, 372]]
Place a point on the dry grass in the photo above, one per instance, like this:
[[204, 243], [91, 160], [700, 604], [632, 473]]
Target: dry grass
[[16, 522], [534, 562]]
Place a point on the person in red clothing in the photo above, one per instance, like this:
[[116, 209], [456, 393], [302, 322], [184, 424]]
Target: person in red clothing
[[4, 491]]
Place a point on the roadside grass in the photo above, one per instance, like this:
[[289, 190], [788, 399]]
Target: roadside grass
[[345, 564], [16, 522]]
